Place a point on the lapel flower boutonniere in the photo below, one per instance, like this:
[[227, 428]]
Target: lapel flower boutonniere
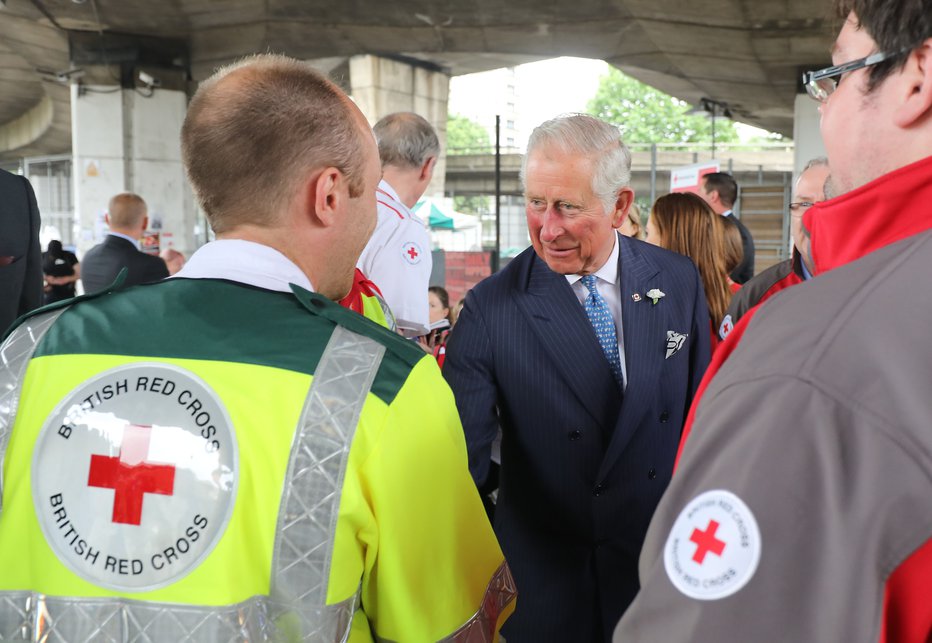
[[656, 295]]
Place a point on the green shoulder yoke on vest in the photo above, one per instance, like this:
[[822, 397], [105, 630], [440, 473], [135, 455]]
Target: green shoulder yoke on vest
[[82, 330], [404, 349]]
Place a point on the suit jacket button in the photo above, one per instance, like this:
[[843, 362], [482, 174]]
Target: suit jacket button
[[651, 474], [597, 491], [664, 416], [574, 435]]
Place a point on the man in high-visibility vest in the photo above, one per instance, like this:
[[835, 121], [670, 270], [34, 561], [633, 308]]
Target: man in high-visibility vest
[[228, 454]]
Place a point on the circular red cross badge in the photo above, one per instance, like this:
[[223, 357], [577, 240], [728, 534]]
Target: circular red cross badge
[[714, 546], [134, 476], [411, 252]]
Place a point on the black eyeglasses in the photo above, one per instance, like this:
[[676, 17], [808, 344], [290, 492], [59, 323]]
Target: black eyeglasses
[[801, 205], [820, 84]]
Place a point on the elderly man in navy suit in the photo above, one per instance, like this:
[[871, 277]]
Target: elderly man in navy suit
[[586, 352]]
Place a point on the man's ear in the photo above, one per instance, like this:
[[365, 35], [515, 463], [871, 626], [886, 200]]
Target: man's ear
[[622, 205], [916, 79], [427, 170], [326, 195], [107, 218], [145, 223]]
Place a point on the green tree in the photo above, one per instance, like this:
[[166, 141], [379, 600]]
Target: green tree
[[465, 136], [646, 115]]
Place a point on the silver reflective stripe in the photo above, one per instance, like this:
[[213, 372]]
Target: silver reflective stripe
[[481, 627], [296, 609], [15, 354], [25, 616], [389, 315], [307, 519]]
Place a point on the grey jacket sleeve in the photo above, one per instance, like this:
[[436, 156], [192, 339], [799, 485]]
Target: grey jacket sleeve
[[838, 497]]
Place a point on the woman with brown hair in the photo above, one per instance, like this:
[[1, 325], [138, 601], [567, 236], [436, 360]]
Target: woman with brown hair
[[631, 226], [684, 223]]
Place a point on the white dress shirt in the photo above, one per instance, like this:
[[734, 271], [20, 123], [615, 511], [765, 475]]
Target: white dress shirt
[[608, 284], [245, 262]]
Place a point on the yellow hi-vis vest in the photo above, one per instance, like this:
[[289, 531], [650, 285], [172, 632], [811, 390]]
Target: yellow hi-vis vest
[[199, 460], [366, 299]]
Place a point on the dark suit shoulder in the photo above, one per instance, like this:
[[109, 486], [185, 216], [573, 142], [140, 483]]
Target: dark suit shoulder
[[92, 252], [516, 275], [156, 262], [509, 277], [10, 181], [664, 258], [103, 263]]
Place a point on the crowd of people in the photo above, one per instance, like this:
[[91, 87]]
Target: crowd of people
[[296, 436]]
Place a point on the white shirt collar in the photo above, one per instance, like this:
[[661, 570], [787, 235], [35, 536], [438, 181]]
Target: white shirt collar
[[609, 270], [389, 190], [245, 262], [135, 242]]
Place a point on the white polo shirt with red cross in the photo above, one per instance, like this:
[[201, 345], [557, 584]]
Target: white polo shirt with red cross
[[397, 259]]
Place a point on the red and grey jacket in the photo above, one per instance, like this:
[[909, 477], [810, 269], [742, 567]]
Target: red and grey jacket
[[760, 288], [802, 493]]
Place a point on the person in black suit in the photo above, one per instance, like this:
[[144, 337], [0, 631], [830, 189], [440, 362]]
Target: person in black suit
[[128, 218], [20, 254], [590, 425], [721, 191]]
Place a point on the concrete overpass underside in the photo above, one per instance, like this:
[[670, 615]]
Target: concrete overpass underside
[[743, 53]]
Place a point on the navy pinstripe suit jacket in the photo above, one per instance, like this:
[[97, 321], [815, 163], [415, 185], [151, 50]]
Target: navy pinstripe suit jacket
[[582, 467]]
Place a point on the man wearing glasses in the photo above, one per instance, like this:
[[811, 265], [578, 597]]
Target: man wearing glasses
[[800, 509], [808, 190]]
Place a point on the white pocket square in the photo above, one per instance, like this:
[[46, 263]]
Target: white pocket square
[[675, 342]]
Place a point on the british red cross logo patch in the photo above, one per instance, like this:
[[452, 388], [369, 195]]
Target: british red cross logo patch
[[706, 542], [411, 252], [130, 475], [134, 476], [714, 546], [726, 327]]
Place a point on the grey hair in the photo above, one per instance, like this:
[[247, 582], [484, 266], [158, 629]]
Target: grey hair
[[819, 161], [584, 134], [405, 140], [827, 187]]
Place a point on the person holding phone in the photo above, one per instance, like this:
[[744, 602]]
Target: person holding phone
[[440, 320]]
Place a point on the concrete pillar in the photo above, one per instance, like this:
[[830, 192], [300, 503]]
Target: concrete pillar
[[129, 140], [381, 86], [807, 138]]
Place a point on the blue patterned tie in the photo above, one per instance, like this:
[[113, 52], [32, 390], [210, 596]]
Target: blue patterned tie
[[601, 319]]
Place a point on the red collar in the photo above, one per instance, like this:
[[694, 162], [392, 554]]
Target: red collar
[[886, 210]]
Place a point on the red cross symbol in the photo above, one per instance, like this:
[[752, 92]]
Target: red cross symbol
[[412, 252], [707, 542], [130, 476]]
